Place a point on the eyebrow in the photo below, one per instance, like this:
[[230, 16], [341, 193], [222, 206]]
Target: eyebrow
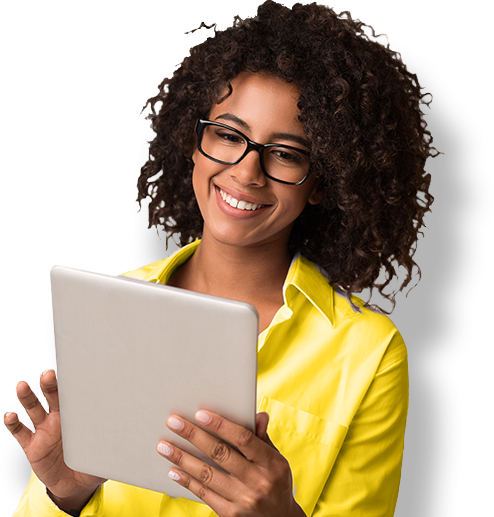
[[276, 136]]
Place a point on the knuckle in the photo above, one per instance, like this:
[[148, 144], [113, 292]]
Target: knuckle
[[30, 403], [202, 492], [250, 503], [15, 427], [186, 482], [245, 438], [221, 452], [206, 474], [281, 474], [49, 390], [179, 457], [189, 432], [217, 425], [236, 513], [283, 468], [264, 489]]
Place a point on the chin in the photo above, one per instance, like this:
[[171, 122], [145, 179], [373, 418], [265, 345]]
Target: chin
[[233, 237]]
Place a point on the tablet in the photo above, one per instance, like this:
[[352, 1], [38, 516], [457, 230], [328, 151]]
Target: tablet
[[129, 354]]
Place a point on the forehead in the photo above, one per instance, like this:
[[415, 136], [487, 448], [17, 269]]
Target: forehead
[[263, 102]]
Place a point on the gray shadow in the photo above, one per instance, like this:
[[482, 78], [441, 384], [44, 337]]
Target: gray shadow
[[425, 316], [148, 245]]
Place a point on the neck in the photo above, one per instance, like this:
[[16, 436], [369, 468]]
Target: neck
[[253, 274]]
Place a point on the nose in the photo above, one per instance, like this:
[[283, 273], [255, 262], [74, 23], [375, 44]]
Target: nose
[[248, 171]]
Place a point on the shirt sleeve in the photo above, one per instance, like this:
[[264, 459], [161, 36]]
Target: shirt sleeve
[[36, 503], [365, 479]]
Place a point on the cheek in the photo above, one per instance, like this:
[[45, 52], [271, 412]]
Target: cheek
[[202, 173], [195, 155], [199, 172], [196, 184], [296, 198]]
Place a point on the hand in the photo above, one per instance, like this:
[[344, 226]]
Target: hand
[[258, 479], [69, 489]]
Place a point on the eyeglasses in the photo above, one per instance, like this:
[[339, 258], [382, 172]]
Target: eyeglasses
[[227, 145]]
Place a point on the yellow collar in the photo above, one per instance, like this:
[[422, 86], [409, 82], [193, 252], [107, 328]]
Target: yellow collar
[[307, 278], [303, 276]]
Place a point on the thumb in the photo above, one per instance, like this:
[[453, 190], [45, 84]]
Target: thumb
[[262, 421]]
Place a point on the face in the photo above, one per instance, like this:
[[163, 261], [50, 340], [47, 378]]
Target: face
[[264, 108]]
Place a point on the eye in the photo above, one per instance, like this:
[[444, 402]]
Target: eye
[[287, 156], [228, 137]]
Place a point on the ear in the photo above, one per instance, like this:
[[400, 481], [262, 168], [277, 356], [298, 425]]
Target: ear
[[315, 197]]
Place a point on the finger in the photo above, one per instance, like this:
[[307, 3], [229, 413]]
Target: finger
[[216, 502], [49, 387], [254, 449], [30, 403], [214, 447], [213, 478], [20, 432]]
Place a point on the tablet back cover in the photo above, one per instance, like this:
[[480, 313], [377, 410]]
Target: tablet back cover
[[129, 354]]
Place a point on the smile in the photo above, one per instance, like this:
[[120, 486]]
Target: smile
[[240, 205]]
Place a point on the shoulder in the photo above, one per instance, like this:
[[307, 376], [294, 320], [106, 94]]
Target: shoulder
[[310, 280], [162, 270], [374, 331], [358, 330], [358, 313], [148, 271]]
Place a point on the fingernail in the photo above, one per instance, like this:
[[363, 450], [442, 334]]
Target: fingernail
[[175, 423], [203, 417], [164, 449], [46, 371], [173, 475]]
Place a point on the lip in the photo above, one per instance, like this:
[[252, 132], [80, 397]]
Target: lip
[[236, 212], [241, 197]]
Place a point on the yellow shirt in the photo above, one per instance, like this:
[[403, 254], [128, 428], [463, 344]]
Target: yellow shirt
[[334, 382]]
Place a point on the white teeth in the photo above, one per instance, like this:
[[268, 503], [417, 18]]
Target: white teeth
[[235, 203]]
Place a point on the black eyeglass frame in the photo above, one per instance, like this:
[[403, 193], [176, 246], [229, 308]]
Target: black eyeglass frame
[[251, 146]]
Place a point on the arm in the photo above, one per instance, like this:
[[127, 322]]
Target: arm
[[35, 502], [366, 476]]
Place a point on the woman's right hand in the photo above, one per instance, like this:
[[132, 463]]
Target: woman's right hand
[[69, 489]]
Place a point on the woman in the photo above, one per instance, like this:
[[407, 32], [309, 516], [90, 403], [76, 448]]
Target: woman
[[293, 147]]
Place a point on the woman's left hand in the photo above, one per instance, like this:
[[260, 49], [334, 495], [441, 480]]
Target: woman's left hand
[[258, 480]]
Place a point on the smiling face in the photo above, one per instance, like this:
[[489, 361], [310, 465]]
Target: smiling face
[[239, 204]]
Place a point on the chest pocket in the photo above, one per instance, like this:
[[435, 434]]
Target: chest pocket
[[309, 443]]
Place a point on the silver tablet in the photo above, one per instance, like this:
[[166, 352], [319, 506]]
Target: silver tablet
[[129, 354]]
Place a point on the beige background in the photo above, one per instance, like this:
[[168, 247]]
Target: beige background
[[74, 73]]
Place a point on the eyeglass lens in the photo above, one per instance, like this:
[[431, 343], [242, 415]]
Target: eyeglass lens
[[228, 146]]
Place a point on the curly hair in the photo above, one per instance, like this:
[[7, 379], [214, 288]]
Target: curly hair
[[361, 111]]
